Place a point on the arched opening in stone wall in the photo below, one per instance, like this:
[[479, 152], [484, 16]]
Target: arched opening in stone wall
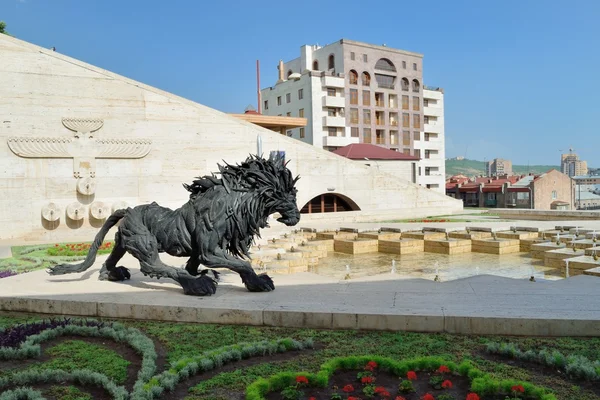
[[329, 202]]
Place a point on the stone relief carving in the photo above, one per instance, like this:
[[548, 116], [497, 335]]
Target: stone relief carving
[[99, 210], [82, 147], [51, 212], [75, 211]]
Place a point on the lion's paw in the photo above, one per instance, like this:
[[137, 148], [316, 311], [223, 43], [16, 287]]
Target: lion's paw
[[202, 285], [259, 283]]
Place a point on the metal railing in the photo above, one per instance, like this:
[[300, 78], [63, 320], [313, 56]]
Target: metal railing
[[385, 85]]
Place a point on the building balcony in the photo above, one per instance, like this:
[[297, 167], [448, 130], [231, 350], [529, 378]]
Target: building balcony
[[433, 111], [334, 121], [334, 101], [333, 81], [339, 141], [433, 127]]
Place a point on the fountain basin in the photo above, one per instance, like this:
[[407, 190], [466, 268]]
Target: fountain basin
[[583, 243], [335, 235], [590, 250], [471, 235], [564, 238], [555, 258], [401, 246], [449, 247], [593, 272], [499, 246], [355, 246], [380, 235], [520, 235], [538, 250], [423, 235], [578, 265], [321, 244]]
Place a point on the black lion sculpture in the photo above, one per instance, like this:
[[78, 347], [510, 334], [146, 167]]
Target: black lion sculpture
[[215, 228]]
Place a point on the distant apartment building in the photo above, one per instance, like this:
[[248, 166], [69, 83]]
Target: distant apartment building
[[498, 166], [571, 165], [352, 92]]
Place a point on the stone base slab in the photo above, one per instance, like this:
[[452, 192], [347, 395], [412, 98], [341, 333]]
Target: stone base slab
[[525, 244], [403, 246], [591, 250], [423, 235], [380, 235], [555, 258], [593, 272], [520, 235], [469, 235], [582, 243], [451, 246], [490, 246], [578, 265], [335, 235], [538, 250], [360, 246], [322, 244]]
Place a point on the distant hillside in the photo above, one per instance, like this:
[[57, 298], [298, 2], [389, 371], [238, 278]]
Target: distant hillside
[[474, 167]]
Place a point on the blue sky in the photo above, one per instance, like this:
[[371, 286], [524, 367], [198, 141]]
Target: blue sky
[[520, 77]]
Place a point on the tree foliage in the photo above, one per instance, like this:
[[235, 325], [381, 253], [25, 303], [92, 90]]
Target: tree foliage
[[3, 27]]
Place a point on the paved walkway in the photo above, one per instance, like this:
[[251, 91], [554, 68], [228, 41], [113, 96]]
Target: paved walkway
[[477, 305]]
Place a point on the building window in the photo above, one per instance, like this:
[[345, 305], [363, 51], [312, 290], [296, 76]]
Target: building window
[[404, 83], [366, 79], [379, 118], [353, 77], [366, 116], [300, 94], [366, 97], [416, 102], [331, 92], [416, 86], [288, 97], [414, 66], [289, 73], [354, 131], [406, 120], [367, 135], [554, 195], [353, 96], [425, 103], [416, 121], [394, 138], [315, 65], [426, 118], [354, 115], [288, 114], [393, 119], [385, 65], [393, 101], [331, 62], [365, 58], [418, 153], [385, 81], [404, 64], [332, 131], [380, 136], [301, 113], [278, 100], [416, 135], [405, 102], [352, 56], [379, 100], [331, 112], [301, 133], [266, 104], [289, 133], [406, 138]]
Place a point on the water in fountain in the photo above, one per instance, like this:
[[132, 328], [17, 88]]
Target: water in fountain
[[347, 267], [393, 266], [566, 268]]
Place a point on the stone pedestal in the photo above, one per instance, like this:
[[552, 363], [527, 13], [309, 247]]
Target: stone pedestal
[[380, 235], [590, 250], [525, 244], [470, 235], [403, 246], [451, 246], [520, 235], [310, 252], [577, 265], [360, 246], [583, 243], [593, 272], [590, 235], [491, 246], [555, 258], [564, 237], [326, 244], [538, 250], [335, 235], [423, 235]]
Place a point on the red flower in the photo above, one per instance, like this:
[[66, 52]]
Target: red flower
[[518, 388], [443, 369], [366, 380], [348, 388], [312, 398], [301, 379], [402, 398], [385, 394], [56, 245], [353, 398], [447, 384], [472, 396], [427, 396], [371, 365], [411, 375], [379, 389]]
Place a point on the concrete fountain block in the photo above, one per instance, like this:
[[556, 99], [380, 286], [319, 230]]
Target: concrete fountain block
[[402, 246], [321, 244], [423, 235], [450, 246], [578, 265], [583, 243], [591, 250], [380, 235], [463, 234], [555, 258], [564, 237], [335, 235], [538, 250], [491, 246], [520, 235], [358, 246], [525, 244]]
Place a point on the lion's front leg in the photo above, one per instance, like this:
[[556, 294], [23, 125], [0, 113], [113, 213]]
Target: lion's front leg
[[253, 282]]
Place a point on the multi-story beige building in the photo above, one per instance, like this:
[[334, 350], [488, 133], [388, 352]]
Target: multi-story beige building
[[354, 92], [498, 166], [571, 165]]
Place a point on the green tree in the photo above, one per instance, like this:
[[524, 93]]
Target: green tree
[[3, 27]]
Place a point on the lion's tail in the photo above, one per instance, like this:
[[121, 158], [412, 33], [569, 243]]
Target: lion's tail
[[91, 255]]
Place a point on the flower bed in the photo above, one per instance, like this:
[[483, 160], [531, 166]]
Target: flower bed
[[77, 249], [428, 378]]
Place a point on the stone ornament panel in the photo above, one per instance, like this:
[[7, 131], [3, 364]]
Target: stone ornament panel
[[86, 186], [82, 125], [76, 211], [51, 212], [99, 210]]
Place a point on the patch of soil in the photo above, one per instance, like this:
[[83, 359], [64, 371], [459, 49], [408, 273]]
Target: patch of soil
[[182, 388], [540, 371], [122, 349]]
